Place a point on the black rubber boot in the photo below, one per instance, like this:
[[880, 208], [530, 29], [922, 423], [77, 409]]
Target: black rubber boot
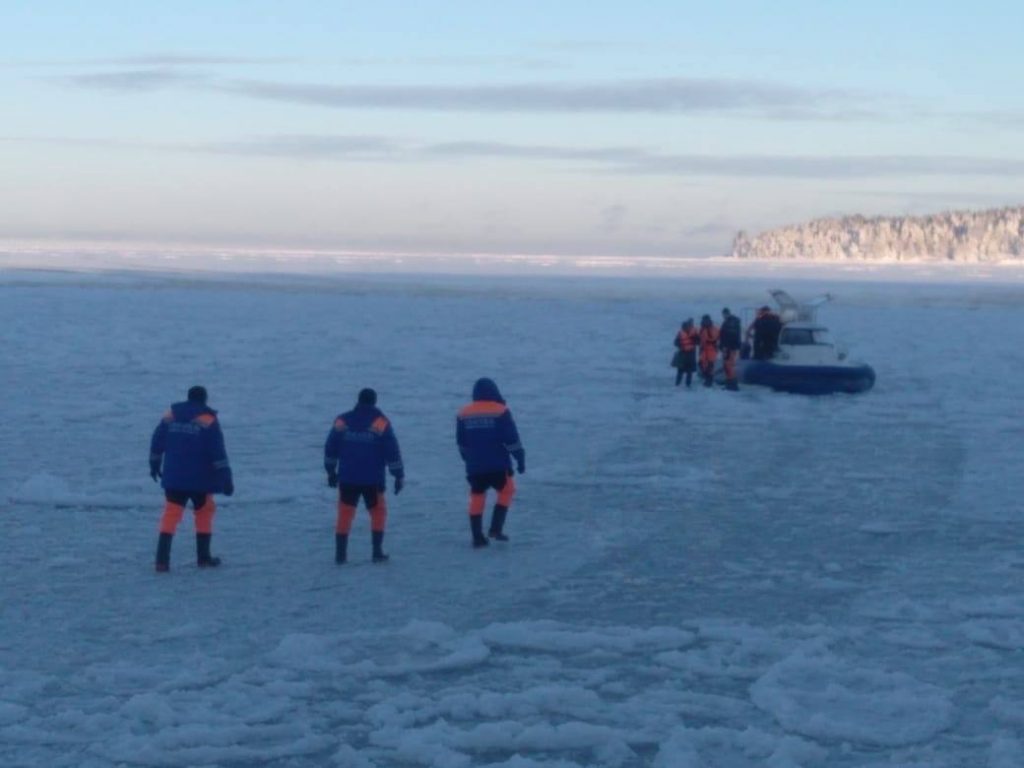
[[378, 542], [732, 386], [163, 552], [203, 557], [340, 548], [498, 522], [476, 525]]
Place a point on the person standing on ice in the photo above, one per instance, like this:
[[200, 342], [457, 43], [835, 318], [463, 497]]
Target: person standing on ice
[[488, 441], [708, 349], [360, 445], [685, 359], [187, 455], [766, 329], [730, 340]]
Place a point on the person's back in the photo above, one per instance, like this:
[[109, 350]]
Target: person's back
[[772, 331], [488, 440], [730, 334], [485, 431], [767, 328], [730, 341], [193, 448], [187, 455], [709, 336], [360, 445], [364, 444]]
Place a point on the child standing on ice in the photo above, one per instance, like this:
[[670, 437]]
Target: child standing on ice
[[488, 441]]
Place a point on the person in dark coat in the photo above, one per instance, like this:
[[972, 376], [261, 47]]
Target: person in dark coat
[[730, 341], [685, 359], [766, 328], [188, 456], [360, 445], [488, 440]]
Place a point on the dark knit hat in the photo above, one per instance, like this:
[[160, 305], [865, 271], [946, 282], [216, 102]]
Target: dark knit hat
[[367, 397], [197, 394]]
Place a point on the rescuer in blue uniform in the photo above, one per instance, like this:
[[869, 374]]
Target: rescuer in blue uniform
[[360, 445], [187, 453], [488, 441]]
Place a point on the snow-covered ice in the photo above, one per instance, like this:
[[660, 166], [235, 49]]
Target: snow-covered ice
[[695, 578]]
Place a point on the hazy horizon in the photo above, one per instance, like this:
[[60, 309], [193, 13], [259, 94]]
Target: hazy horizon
[[569, 130]]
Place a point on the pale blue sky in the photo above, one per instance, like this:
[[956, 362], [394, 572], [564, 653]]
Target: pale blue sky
[[527, 127]]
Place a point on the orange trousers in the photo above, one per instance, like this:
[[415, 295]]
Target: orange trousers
[[347, 513], [477, 501], [173, 513], [729, 363]]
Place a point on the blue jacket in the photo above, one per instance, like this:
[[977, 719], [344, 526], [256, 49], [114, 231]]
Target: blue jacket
[[189, 442], [360, 445], [486, 432]]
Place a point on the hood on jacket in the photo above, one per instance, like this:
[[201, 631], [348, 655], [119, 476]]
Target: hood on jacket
[[486, 389]]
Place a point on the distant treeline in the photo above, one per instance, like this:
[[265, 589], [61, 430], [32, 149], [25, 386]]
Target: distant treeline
[[965, 236]]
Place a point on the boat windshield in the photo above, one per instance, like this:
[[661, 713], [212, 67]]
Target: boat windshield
[[821, 336], [800, 337]]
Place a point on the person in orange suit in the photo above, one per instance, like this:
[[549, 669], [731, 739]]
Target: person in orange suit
[[708, 349], [685, 360]]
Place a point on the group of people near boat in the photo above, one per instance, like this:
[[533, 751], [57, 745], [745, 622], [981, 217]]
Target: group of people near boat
[[188, 457], [697, 348]]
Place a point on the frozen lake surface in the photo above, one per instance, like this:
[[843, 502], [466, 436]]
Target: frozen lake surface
[[695, 578]]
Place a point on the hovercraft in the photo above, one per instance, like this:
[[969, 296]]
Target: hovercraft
[[807, 361]]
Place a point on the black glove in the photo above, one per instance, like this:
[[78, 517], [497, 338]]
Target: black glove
[[521, 466], [229, 488], [332, 478], [154, 471], [399, 485]]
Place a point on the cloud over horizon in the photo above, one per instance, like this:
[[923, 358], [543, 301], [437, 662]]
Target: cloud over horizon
[[605, 160], [136, 80], [668, 96], [630, 160], [678, 95]]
